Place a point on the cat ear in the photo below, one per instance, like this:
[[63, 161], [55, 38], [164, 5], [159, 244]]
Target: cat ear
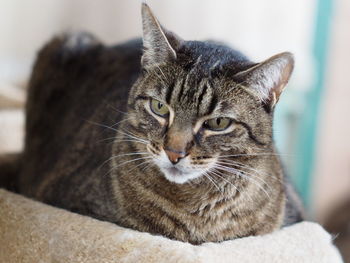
[[269, 78], [159, 44]]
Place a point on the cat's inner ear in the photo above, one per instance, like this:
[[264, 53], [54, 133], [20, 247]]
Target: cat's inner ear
[[159, 44], [268, 79]]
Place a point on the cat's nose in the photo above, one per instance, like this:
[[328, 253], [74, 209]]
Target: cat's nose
[[174, 156]]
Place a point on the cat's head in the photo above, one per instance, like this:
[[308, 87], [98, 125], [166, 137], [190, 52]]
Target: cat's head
[[199, 103]]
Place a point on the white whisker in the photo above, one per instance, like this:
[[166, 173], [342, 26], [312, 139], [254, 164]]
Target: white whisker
[[126, 162], [132, 136], [127, 119], [241, 171], [212, 181], [256, 154], [244, 174], [102, 125], [148, 165], [133, 160], [115, 109], [130, 140], [233, 163], [121, 155], [221, 175], [227, 181], [143, 163], [126, 133]]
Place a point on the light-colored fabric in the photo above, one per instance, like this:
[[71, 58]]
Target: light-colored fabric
[[34, 232]]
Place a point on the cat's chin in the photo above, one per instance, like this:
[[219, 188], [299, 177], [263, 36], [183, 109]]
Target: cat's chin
[[175, 175]]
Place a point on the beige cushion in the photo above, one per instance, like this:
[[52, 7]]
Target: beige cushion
[[34, 232]]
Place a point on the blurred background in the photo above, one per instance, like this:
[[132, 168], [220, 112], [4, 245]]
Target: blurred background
[[312, 121]]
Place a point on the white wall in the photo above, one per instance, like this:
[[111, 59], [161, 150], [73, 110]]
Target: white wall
[[258, 28]]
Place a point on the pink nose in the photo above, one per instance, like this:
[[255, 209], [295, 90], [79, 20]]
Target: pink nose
[[174, 156]]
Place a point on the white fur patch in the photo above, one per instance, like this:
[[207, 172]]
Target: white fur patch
[[182, 172]]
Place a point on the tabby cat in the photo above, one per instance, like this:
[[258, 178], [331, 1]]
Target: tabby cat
[[163, 135]]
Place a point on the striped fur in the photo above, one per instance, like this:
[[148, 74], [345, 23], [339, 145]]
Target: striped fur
[[95, 150]]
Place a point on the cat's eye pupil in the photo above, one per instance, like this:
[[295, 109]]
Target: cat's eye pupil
[[217, 124], [159, 108]]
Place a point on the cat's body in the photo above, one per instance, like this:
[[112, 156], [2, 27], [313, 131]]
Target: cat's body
[[70, 92], [79, 157]]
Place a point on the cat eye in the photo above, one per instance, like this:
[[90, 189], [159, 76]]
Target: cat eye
[[217, 124], [159, 108]]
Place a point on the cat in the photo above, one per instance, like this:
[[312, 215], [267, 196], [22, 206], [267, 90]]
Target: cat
[[158, 134]]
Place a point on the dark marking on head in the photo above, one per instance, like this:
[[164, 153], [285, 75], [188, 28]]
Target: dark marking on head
[[169, 92], [250, 133], [200, 97], [182, 87], [213, 104]]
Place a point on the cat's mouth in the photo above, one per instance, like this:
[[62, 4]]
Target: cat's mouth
[[174, 171], [177, 175]]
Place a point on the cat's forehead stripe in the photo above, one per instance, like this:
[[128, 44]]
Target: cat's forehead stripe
[[213, 104], [201, 95], [209, 100], [169, 92], [198, 94]]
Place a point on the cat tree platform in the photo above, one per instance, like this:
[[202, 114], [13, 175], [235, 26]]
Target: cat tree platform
[[34, 232]]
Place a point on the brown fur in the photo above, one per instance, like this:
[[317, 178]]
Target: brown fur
[[79, 145]]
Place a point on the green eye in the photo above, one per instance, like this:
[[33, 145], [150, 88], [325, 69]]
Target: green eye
[[217, 124], [159, 108]]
